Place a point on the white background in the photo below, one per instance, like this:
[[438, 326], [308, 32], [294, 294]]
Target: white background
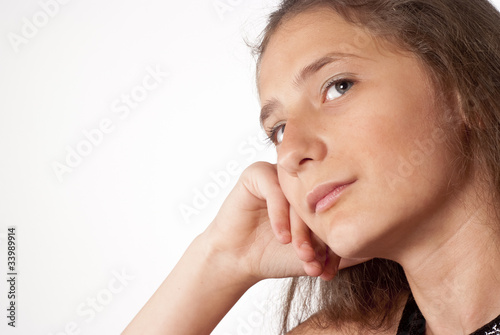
[[119, 208]]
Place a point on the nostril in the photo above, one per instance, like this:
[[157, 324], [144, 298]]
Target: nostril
[[304, 160]]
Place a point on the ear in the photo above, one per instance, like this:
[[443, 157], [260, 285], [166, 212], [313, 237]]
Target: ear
[[457, 103], [468, 110], [453, 113]]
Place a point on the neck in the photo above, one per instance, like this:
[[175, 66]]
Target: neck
[[453, 270]]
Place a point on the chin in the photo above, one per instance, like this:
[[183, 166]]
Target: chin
[[356, 237]]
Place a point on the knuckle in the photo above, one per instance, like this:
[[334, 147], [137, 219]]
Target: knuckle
[[259, 171], [259, 167]]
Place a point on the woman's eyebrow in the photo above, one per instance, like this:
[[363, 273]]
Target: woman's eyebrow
[[269, 107], [315, 66]]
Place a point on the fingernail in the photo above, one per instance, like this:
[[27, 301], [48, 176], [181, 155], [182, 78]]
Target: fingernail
[[306, 246]]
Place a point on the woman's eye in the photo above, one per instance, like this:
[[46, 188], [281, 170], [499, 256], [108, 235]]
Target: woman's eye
[[337, 88], [277, 133], [280, 133]]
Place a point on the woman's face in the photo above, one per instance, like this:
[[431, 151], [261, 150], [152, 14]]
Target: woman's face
[[359, 133]]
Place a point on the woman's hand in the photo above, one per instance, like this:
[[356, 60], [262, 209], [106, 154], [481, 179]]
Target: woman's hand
[[255, 235], [258, 232]]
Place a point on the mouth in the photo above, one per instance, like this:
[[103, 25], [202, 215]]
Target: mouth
[[324, 196]]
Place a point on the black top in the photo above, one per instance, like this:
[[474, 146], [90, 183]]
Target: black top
[[413, 322]]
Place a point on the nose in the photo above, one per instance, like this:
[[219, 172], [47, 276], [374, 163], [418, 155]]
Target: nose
[[302, 145]]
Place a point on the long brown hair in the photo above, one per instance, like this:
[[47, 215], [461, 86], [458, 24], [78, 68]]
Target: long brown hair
[[458, 41]]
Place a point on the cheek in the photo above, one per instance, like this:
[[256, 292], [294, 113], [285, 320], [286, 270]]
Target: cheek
[[401, 128], [404, 177], [402, 141], [408, 158]]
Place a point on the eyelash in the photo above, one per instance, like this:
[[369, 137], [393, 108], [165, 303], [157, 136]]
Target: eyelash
[[272, 131], [335, 81]]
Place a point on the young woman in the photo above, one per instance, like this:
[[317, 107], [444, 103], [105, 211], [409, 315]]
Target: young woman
[[385, 115]]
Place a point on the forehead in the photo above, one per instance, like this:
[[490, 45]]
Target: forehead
[[306, 37]]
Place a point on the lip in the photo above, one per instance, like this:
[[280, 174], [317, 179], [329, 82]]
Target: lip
[[324, 196]]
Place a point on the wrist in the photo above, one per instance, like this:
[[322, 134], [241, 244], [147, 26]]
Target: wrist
[[228, 265]]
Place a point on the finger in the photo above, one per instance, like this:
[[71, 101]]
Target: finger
[[326, 258], [313, 269], [301, 238], [316, 267], [308, 250], [277, 204], [278, 211], [331, 266], [322, 257]]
